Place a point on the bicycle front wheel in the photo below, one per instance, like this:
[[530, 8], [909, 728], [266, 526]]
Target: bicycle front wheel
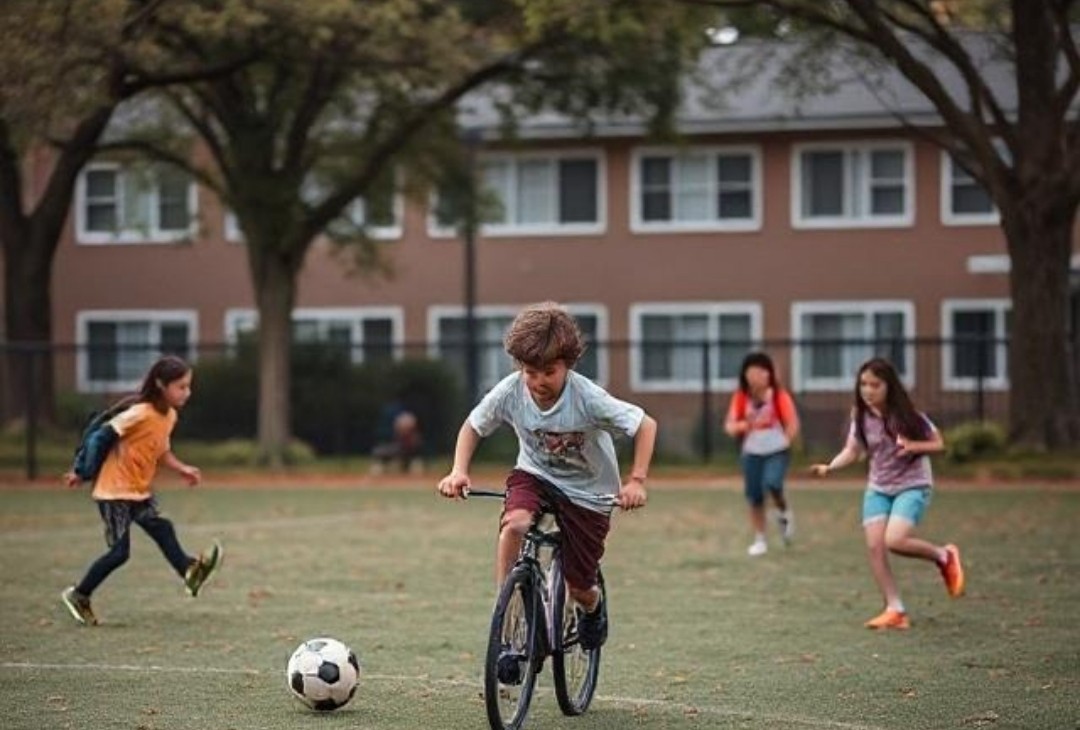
[[513, 653], [576, 670]]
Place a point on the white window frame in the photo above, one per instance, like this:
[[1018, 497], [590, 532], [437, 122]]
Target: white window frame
[[355, 316], [152, 234], [948, 217], [514, 230], [851, 219], [437, 312], [949, 380], [752, 223], [711, 310], [867, 308], [85, 317]]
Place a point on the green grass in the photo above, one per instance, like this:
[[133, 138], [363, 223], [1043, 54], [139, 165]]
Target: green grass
[[702, 636]]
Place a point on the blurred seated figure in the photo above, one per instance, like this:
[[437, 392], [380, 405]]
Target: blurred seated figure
[[403, 444]]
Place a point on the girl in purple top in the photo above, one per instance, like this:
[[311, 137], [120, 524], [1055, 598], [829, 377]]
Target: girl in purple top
[[897, 439]]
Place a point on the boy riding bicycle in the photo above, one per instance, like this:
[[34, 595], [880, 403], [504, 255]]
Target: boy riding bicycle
[[564, 423]]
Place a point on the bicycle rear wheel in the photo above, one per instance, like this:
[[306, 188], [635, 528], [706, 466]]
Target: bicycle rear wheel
[[576, 670], [513, 653]]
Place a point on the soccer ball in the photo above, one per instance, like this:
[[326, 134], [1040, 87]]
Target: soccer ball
[[323, 673]]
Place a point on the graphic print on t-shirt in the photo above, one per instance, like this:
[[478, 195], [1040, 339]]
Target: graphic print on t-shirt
[[562, 450]]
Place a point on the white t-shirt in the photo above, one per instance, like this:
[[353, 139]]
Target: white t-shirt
[[568, 445]]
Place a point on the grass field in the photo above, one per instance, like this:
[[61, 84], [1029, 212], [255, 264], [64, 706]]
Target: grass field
[[702, 636]]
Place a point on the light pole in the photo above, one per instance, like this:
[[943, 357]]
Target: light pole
[[471, 137]]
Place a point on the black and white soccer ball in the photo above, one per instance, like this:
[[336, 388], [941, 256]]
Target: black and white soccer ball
[[323, 674]]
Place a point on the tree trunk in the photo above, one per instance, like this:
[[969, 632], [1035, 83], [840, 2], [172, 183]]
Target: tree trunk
[[28, 316], [275, 292], [1043, 399]]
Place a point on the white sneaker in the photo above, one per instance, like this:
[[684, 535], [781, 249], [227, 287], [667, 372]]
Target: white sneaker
[[758, 547], [786, 521]]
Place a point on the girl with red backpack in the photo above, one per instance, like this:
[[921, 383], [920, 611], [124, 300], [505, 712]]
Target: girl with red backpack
[[763, 419]]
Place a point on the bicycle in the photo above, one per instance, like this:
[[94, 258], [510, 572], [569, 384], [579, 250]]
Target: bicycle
[[534, 618]]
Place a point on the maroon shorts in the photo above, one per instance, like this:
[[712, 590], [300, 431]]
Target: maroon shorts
[[583, 530]]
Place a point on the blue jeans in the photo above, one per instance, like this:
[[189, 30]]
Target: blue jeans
[[764, 472]]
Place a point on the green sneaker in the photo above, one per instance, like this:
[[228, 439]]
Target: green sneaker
[[79, 606], [204, 566]]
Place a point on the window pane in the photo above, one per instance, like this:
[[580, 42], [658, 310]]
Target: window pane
[[536, 192], [656, 172], [973, 351], [496, 177], [822, 184], [734, 331], [656, 332], [887, 200], [577, 191], [101, 350], [692, 202], [827, 351], [971, 200], [378, 337], [735, 204], [173, 211], [101, 217], [174, 339], [733, 169], [889, 339], [101, 184], [136, 349], [887, 165]]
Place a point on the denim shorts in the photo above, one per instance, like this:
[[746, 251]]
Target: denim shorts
[[908, 505], [763, 472]]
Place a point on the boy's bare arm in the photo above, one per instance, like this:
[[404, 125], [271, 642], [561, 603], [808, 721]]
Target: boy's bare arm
[[633, 494], [454, 483]]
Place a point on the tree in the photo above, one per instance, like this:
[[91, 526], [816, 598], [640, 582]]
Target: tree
[[1026, 155], [347, 93], [67, 67]]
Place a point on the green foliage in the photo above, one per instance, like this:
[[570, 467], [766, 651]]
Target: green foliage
[[975, 440], [237, 452], [336, 404]]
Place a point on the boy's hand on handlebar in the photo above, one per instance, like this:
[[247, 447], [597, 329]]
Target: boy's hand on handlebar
[[454, 485], [632, 495]]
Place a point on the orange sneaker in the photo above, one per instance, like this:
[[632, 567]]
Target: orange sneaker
[[889, 619], [952, 572]]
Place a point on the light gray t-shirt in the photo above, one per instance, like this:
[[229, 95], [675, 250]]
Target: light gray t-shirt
[[570, 444]]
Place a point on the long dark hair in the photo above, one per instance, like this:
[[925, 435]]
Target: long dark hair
[[759, 360], [899, 416], [167, 369]]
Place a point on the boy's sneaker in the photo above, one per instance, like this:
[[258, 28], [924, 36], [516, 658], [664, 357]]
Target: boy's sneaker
[[79, 606], [757, 547], [890, 618], [952, 572], [592, 628], [786, 521], [204, 566]]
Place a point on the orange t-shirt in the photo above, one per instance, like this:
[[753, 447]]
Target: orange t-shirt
[[130, 466]]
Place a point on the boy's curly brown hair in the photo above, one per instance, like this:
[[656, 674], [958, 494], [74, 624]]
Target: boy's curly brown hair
[[543, 333]]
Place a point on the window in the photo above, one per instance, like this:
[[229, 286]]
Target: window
[[976, 351], [534, 195], [832, 339], [446, 327], [378, 215], [963, 200], [366, 334], [852, 185], [702, 189], [145, 203], [668, 352], [118, 347]]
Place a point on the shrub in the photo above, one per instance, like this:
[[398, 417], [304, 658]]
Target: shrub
[[974, 440]]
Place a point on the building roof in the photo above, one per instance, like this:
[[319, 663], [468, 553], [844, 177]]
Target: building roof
[[751, 86]]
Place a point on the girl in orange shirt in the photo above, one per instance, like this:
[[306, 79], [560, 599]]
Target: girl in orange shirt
[[128, 450]]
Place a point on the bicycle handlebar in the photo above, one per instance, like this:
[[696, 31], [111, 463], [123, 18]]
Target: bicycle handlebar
[[606, 500]]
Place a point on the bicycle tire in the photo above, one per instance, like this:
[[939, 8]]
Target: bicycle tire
[[514, 623], [576, 671]]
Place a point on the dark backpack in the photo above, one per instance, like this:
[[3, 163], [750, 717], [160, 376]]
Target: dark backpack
[[97, 439]]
